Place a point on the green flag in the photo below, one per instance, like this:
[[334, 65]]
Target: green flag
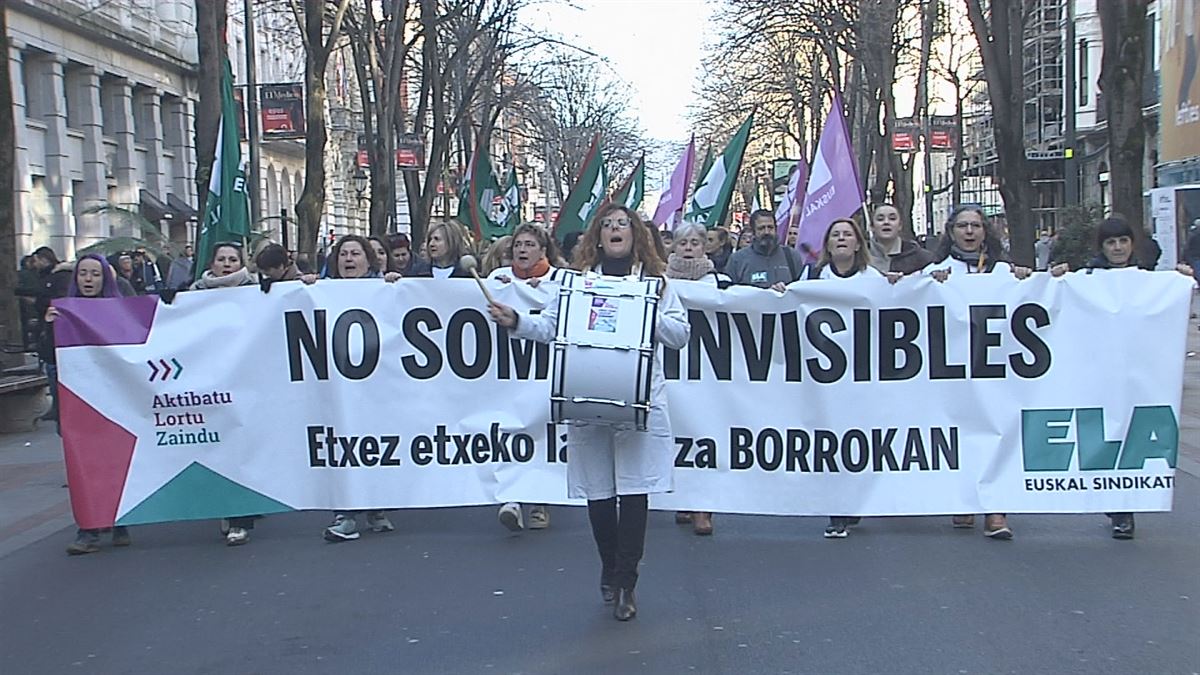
[[512, 202], [630, 194], [481, 205], [704, 167], [586, 196], [711, 199], [227, 207]]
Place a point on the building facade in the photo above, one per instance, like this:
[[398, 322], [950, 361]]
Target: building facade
[[104, 95]]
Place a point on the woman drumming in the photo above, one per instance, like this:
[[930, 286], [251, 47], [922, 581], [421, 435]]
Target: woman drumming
[[617, 470]]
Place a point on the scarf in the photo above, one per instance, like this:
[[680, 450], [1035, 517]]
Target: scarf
[[540, 269], [688, 268], [208, 280], [976, 259]]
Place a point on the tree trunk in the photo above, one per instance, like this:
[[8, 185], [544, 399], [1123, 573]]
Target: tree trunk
[[212, 51], [1001, 37], [10, 315], [1122, 27]]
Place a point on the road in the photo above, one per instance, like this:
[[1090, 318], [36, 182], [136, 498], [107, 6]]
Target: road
[[452, 592]]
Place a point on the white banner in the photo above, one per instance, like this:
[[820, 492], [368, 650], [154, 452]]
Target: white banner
[[856, 397]]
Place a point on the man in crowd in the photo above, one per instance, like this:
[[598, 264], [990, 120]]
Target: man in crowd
[[180, 274], [145, 273], [1041, 251], [764, 263], [719, 248]]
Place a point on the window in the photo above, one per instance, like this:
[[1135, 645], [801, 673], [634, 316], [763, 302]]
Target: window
[[1083, 83]]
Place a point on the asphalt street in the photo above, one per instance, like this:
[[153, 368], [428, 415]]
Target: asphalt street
[[452, 592]]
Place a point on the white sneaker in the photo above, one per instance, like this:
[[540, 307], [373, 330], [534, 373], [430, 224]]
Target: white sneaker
[[510, 517], [539, 517], [344, 528], [237, 536], [378, 522]]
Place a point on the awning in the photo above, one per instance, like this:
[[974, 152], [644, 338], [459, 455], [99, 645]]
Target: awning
[[181, 209], [152, 209]]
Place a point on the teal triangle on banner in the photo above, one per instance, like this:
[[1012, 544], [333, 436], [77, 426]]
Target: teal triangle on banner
[[199, 493]]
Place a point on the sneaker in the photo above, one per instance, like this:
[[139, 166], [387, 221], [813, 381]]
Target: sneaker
[[237, 536], [344, 528], [120, 536], [510, 517], [836, 530], [1122, 526], [539, 517], [378, 522], [995, 526], [86, 541]]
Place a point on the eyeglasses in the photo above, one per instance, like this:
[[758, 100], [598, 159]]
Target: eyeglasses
[[622, 224]]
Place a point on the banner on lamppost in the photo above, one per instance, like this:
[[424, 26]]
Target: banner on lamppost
[[282, 111], [943, 133], [410, 152], [905, 132]]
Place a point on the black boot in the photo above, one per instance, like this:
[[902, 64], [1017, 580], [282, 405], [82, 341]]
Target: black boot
[[626, 605], [603, 515]]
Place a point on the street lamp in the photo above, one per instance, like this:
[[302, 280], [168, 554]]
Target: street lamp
[[360, 183]]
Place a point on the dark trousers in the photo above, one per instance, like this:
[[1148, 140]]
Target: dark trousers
[[620, 533]]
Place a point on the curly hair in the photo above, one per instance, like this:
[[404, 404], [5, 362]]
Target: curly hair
[[643, 243], [992, 248], [336, 251]]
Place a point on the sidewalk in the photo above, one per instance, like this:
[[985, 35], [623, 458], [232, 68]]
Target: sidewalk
[[34, 504]]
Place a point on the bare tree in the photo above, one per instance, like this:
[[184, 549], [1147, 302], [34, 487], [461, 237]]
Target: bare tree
[[10, 317], [1122, 65], [1000, 32], [212, 51], [321, 28], [956, 62]]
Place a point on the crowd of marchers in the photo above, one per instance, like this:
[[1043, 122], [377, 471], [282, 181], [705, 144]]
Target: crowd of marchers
[[617, 469]]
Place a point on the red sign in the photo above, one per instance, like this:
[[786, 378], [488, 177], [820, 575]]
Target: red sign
[[942, 133], [410, 152], [282, 110], [903, 141]]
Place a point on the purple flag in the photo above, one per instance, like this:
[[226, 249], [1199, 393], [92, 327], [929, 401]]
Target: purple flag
[[787, 214], [834, 190], [675, 196]]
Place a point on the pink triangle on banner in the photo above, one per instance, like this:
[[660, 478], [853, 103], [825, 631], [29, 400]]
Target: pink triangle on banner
[[98, 453]]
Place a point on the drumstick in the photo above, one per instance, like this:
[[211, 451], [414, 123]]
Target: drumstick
[[469, 263]]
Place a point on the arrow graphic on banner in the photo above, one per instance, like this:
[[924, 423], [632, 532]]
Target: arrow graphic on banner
[[165, 370]]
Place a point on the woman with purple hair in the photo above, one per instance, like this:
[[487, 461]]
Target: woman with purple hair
[[93, 278]]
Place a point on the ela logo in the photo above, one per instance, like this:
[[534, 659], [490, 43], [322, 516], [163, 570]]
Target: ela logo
[[1153, 432]]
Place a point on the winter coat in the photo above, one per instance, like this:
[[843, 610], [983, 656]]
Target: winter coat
[[912, 258], [604, 461], [748, 267]]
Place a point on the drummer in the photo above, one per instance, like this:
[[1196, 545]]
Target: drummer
[[535, 258], [617, 470]]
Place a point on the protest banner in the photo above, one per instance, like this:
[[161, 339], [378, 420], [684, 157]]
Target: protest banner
[[981, 394]]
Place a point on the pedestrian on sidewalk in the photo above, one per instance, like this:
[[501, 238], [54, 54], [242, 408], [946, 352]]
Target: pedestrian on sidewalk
[[92, 277], [616, 471]]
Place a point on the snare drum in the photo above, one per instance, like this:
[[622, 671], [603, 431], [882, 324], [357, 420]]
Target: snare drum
[[604, 351]]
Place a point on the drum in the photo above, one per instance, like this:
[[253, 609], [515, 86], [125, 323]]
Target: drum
[[603, 351]]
